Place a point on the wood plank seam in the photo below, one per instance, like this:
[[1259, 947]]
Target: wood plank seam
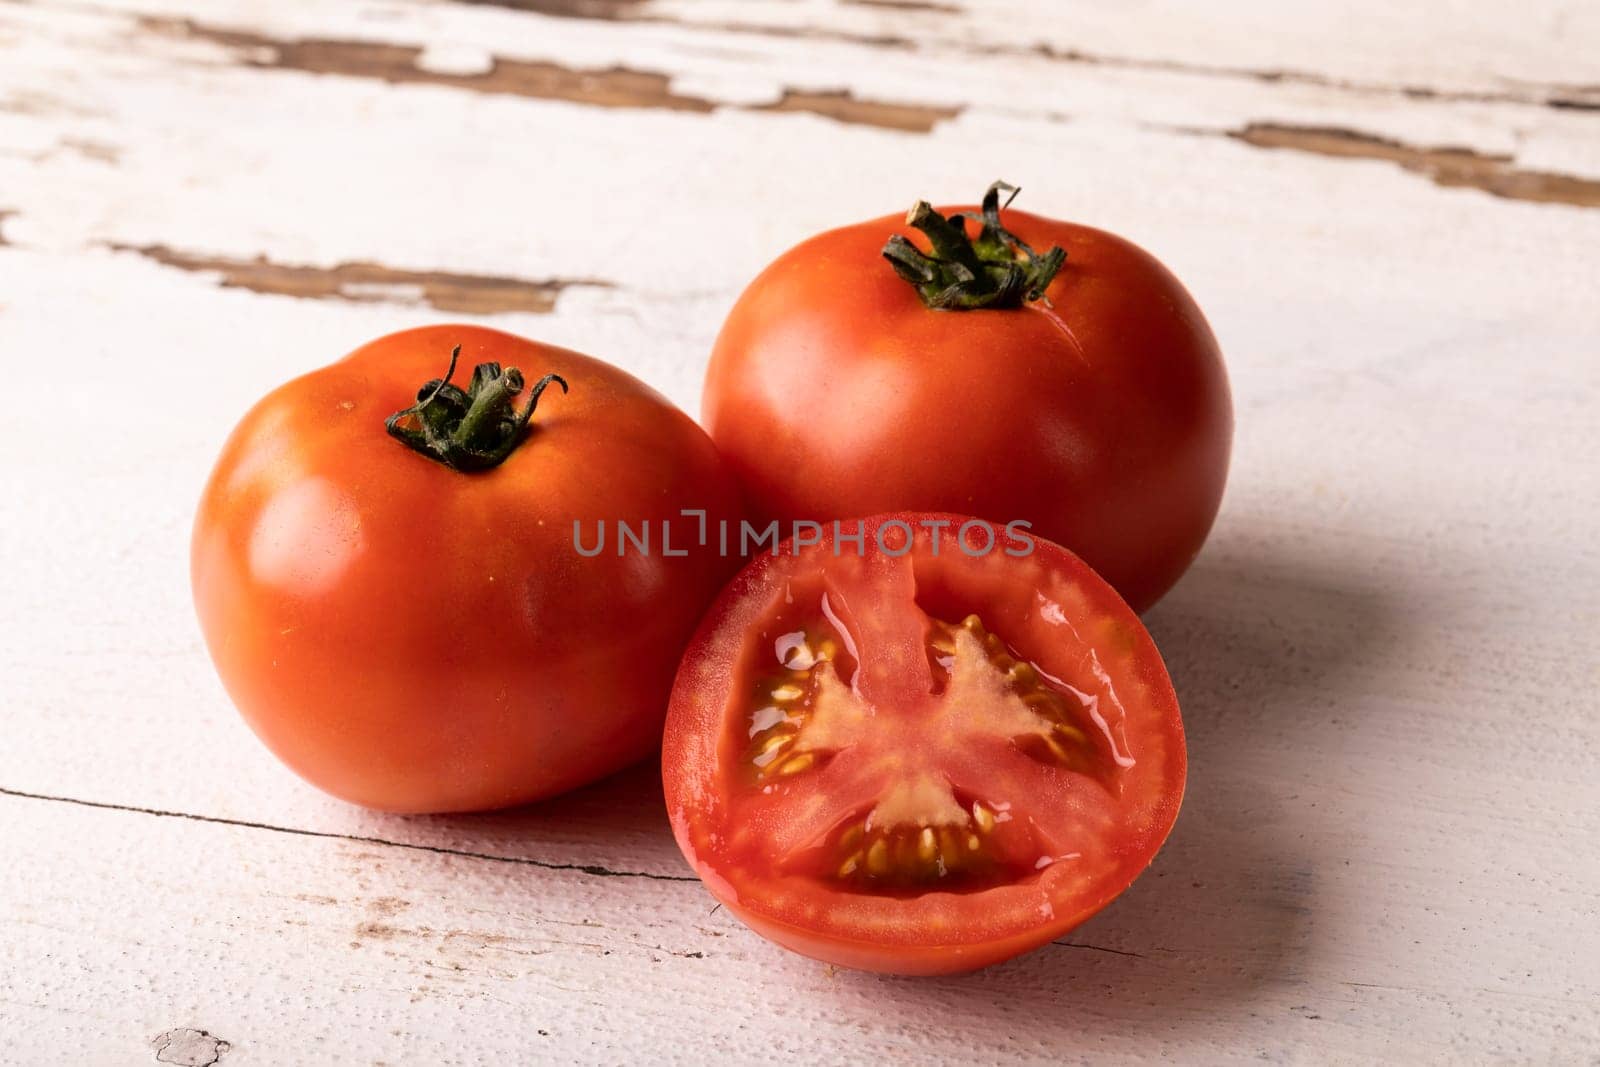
[[581, 868]]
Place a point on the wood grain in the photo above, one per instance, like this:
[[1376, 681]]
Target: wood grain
[[473, 294], [1449, 167], [1430, 51], [1386, 653], [614, 86]]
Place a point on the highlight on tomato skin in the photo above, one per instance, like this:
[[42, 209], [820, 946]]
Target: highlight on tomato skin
[[902, 753], [385, 570]]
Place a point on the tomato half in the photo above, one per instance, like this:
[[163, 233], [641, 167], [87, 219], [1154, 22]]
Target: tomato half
[[415, 637], [1097, 408], [925, 757]]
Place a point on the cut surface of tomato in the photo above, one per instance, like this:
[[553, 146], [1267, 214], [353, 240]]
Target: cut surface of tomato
[[920, 759]]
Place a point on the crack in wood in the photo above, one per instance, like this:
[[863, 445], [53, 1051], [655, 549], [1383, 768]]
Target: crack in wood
[[363, 282], [1098, 948], [907, 5], [613, 87], [1554, 96], [5, 213], [635, 12], [245, 824], [1573, 97], [1449, 167], [608, 10]]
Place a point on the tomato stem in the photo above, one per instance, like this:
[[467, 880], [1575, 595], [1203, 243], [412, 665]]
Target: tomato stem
[[995, 270], [470, 429]]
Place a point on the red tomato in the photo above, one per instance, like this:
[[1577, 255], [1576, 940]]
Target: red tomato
[[921, 761], [419, 638], [1100, 412]]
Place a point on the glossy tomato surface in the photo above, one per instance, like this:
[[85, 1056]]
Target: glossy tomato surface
[[921, 762], [1101, 415], [414, 638]]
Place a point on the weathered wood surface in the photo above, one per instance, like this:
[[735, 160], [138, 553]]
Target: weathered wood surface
[[1387, 654]]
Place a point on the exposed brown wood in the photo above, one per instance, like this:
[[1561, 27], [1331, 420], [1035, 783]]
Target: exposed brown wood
[[41, 105], [844, 106], [907, 5], [98, 151], [4, 215], [570, 9], [611, 87], [474, 294], [397, 64], [1446, 166]]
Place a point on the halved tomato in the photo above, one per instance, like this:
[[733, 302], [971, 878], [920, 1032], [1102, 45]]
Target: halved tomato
[[923, 750]]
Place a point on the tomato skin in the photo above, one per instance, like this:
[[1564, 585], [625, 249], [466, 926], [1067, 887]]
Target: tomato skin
[[416, 639], [937, 932], [1106, 422]]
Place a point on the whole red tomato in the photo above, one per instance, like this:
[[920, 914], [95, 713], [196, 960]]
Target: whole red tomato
[[414, 628], [977, 371], [922, 744]]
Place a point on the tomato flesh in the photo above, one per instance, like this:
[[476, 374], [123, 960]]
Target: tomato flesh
[[921, 762]]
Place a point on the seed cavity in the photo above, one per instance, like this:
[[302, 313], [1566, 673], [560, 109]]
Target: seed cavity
[[764, 719], [801, 650], [803, 762], [920, 835], [771, 748], [790, 704]]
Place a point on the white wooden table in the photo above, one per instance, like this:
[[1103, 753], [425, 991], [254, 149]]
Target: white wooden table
[[1387, 654]]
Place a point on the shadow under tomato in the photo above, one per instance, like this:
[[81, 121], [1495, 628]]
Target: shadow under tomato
[[1262, 646], [617, 825]]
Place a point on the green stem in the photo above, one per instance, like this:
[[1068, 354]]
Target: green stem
[[996, 269], [470, 429]]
